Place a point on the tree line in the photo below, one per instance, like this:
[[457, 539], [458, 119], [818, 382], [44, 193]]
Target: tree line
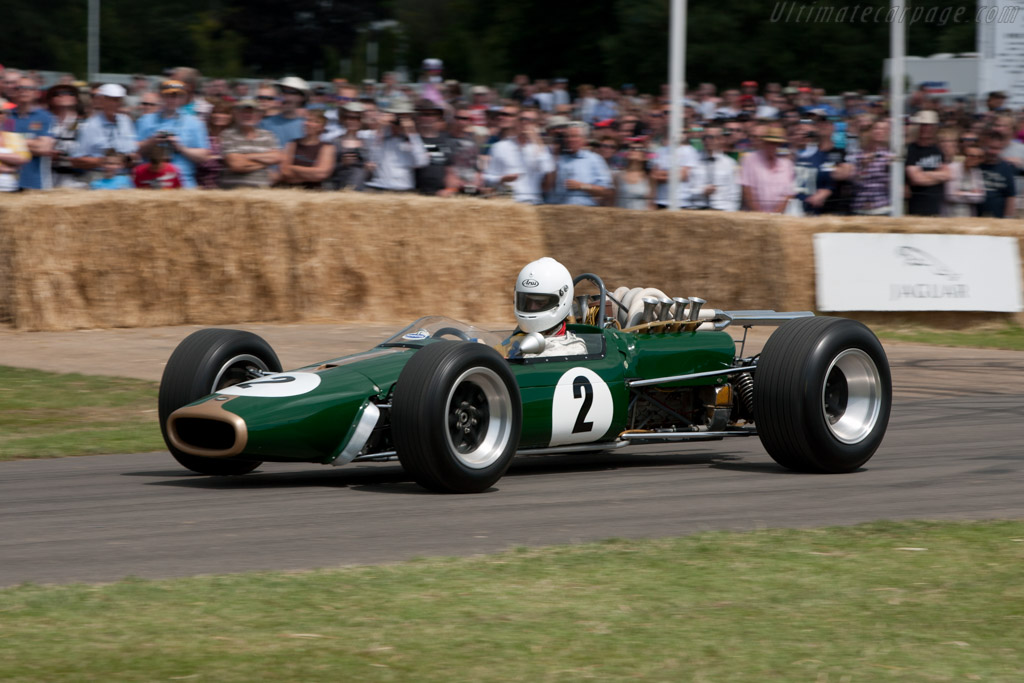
[[597, 41]]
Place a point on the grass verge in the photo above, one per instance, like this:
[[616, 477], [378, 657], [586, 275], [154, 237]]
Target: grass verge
[[1009, 337], [876, 602], [45, 414]]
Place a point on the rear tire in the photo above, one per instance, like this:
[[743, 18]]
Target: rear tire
[[204, 362], [822, 395], [456, 417]]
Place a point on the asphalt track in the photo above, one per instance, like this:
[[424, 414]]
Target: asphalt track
[[953, 451]]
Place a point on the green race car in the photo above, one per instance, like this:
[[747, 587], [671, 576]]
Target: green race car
[[454, 403]]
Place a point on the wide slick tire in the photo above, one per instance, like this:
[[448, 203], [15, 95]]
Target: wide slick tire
[[456, 417], [822, 395], [204, 362]]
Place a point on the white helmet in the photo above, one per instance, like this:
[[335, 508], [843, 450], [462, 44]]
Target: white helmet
[[543, 295]]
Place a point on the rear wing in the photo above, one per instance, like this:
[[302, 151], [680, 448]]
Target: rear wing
[[723, 319]]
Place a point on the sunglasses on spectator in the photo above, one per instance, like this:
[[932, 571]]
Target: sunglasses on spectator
[[528, 119], [265, 97], [149, 104], [969, 141], [463, 118]]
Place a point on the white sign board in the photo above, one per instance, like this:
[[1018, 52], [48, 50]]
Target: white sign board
[[1000, 40], [897, 272]]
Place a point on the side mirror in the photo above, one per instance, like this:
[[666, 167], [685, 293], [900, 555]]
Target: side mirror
[[533, 343]]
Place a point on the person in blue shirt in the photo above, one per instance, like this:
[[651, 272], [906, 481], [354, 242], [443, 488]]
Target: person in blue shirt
[[813, 181], [106, 129], [185, 134], [113, 176], [1000, 190], [289, 124], [35, 125], [582, 176]]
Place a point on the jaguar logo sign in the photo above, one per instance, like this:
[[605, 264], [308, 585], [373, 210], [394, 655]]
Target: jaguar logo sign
[[917, 272], [912, 256]]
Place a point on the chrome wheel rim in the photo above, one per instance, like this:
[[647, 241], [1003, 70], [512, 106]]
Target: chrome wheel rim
[[851, 396], [479, 418], [238, 369]]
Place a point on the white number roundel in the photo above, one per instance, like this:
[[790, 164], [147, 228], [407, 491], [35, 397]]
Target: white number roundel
[[581, 409], [275, 386]]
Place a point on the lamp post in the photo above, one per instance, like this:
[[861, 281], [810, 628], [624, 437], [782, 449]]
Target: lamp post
[[677, 75], [897, 84], [93, 40]]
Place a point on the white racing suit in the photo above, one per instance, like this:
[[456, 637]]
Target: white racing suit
[[567, 344]]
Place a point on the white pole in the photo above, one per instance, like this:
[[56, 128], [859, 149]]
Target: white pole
[[677, 73], [897, 95], [93, 40]]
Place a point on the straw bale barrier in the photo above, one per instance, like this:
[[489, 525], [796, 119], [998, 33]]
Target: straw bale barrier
[[137, 259], [738, 260], [148, 258]]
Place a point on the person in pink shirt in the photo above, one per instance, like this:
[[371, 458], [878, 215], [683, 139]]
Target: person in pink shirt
[[768, 180]]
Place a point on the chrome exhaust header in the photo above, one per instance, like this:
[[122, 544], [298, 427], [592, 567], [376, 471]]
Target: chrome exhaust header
[[650, 308], [695, 304]]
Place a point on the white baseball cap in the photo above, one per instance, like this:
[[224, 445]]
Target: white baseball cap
[[294, 83], [111, 90]]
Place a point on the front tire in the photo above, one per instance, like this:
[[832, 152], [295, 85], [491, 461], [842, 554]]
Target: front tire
[[822, 395], [456, 417], [203, 363]]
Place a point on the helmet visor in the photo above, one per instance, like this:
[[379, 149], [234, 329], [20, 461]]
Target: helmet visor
[[528, 302]]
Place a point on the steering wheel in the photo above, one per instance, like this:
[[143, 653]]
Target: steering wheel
[[452, 331], [604, 293]]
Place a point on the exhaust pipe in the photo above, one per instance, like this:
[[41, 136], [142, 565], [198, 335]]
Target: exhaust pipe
[[650, 306], [680, 308], [695, 304], [664, 313]]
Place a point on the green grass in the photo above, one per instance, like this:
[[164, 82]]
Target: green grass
[[44, 414], [877, 602], [1009, 337]]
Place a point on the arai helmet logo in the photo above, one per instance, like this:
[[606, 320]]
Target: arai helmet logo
[[530, 282]]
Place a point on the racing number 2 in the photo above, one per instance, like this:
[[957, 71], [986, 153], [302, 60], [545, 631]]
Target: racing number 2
[[582, 388], [581, 407]]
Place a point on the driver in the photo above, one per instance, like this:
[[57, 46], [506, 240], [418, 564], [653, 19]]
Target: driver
[[543, 301]]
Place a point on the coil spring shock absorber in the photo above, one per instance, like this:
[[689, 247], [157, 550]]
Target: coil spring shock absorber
[[744, 383]]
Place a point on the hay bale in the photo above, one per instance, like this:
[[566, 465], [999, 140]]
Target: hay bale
[[146, 258], [405, 256], [732, 260], [141, 258]]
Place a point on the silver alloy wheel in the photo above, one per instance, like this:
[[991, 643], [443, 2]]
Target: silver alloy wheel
[[236, 370], [851, 397], [479, 418]]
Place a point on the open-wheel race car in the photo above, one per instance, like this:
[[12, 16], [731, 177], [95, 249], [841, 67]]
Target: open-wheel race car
[[454, 403]]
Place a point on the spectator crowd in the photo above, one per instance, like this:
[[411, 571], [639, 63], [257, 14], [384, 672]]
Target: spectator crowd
[[780, 149]]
